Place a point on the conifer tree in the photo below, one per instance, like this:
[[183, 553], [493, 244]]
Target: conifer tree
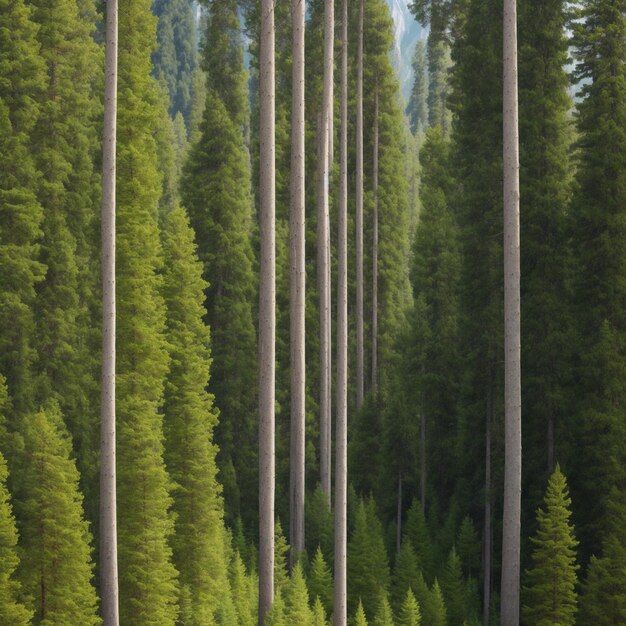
[[597, 216], [56, 569], [12, 611], [454, 591], [276, 615], [320, 581], [319, 614], [242, 592], [281, 551], [368, 568], [148, 590], [297, 610], [175, 58], [359, 616], [384, 614], [215, 190], [550, 592], [468, 547], [319, 524], [22, 85], [416, 531], [405, 574], [418, 108], [434, 607], [409, 614], [189, 420]]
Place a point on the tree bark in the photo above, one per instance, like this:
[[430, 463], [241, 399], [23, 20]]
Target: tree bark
[[323, 247], [341, 443], [375, 248], [510, 583], [297, 288], [267, 311], [108, 489], [360, 386]]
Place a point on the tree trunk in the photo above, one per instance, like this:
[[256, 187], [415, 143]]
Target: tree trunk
[[323, 246], [108, 489], [267, 311], [510, 591], [487, 534], [341, 443], [297, 288], [359, 214], [375, 250]]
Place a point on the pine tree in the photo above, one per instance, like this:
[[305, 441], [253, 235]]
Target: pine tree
[[297, 610], [276, 615], [454, 591], [384, 614], [597, 216], [189, 420], [468, 547], [175, 58], [22, 85], [281, 551], [319, 524], [434, 608], [550, 592], [215, 190], [368, 568], [319, 614], [320, 581], [242, 592], [148, 590], [406, 573], [12, 611], [418, 108], [56, 569], [409, 614], [359, 616], [416, 531]]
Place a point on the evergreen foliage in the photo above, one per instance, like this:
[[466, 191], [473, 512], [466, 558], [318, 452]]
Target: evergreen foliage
[[215, 189], [468, 547], [551, 583], [56, 568], [276, 615], [147, 576], [319, 614], [12, 611], [243, 592], [281, 551], [416, 532], [175, 58], [409, 614], [434, 608], [418, 107], [384, 614], [368, 567], [189, 420], [359, 616], [319, 524], [454, 590], [297, 610], [320, 581], [406, 574]]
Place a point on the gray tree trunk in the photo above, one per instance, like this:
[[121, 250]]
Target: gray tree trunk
[[108, 490], [297, 288], [360, 386], [323, 247], [511, 523], [267, 311], [375, 249], [341, 443]]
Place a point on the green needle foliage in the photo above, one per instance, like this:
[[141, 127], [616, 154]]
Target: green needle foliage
[[550, 594], [297, 610], [418, 107], [454, 590], [384, 614], [319, 614], [434, 608], [405, 575], [359, 616], [320, 581], [12, 612], [409, 614], [243, 589], [189, 420], [416, 532], [145, 525], [21, 87], [276, 615], [56, 569]]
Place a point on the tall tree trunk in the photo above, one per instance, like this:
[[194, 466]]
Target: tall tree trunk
[[297, 288], [108, 488], [487, 536], [341, 443], [375, 249], [323, 246], [267, 311], [360, 386], [510, 592]]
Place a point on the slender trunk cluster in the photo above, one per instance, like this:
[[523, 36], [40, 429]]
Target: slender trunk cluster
[[510, 591], [267, 310], [325, 152], [297, 288], [341, 443], [359, 213], [108, 491]]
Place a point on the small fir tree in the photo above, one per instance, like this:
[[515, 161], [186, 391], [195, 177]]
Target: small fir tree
[[434, 609], [384, 614], [405, 574], [319, 614], [241, 591], [320, 581], [297, 610], [281, 550], [409, 614], [454, 590], [550, 592], [359, 616], [276, 615], [416, 531], [468, 547]]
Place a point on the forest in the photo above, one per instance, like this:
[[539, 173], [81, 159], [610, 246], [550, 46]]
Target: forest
[[279, 347]]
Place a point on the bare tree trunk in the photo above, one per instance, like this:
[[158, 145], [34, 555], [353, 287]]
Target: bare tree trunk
[[511, 525], [267, 311], [108, 488], [399, 514], [488, 532], [423, 461], [297, 288], [360, 386], [323, 247], [375, 250], [341, 443]]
